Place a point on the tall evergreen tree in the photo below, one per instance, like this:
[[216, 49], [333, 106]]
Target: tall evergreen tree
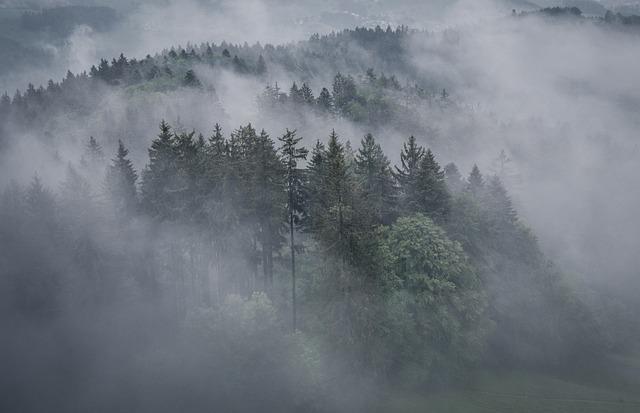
[[376, 181], [191, 80], [291, 155], [261, 66], [307, 94], [331, 197], [93, 155], [325, 101], [475, 182], [453, 178], [158, 179], [120, 183], [269, 200], [433, 195], [407, 174]]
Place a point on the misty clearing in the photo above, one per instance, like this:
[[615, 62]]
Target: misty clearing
[[319, 206]]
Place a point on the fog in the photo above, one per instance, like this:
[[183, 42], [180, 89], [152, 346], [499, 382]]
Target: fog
[[158, 313]]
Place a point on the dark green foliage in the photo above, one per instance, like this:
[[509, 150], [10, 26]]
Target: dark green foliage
[[475, 183], [191, 80], [332, 197], [407, 174], [325, 100], [159, 178], [261, 66], [520, 281], [296, 204], [120, 183], [377, 186], [432, 193], [391, 273]]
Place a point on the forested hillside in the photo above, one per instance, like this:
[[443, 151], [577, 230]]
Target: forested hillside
[[406, 271], [315, 225]]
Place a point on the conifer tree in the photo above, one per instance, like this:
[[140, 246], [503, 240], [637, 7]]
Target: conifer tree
[[215, 160], [331, 188], [376, 181], [295, 94], [191, 80], [433, 196], [261, 66], [307, 94], [499, 204], [291, 155], [120, 182], [453, 178], [325, 101], [94, 154], [160, 173], [269, 200], [475, 182], [407, 174], [315, 180]]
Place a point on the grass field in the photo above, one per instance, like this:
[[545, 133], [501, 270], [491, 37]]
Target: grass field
[[615, 390]]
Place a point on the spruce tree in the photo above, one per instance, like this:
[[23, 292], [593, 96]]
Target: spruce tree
[[94, 155], [499, 204], [159, 175], [307, 94], [291, 155], [376, 181], [295, 94], [268, 178], [325, 101], [120, 183], [433, 196], [191, 80], [261, 66], [454, 179], [475, 182], [333, 199], [407, 175]]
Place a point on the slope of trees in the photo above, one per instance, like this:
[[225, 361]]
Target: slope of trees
[[411, 273]]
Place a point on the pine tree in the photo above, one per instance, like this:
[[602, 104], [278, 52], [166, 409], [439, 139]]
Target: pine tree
[[475, 182], [261, 66], [120, 183], [307, 94], [191, 80], [190, 168], [499, 204], [295, 94], [269, 202], [344, 92], [325, 101], [159, 175], [453, 178], [407, 175], [291, 155], [434, 198], [315, 177], [376, 181], [94, 154], [332, 198]]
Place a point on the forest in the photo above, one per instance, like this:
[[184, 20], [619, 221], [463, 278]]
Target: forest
[[395, 269], [382, 218]]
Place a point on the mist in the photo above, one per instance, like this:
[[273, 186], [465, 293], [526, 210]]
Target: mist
[[136, 282]]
